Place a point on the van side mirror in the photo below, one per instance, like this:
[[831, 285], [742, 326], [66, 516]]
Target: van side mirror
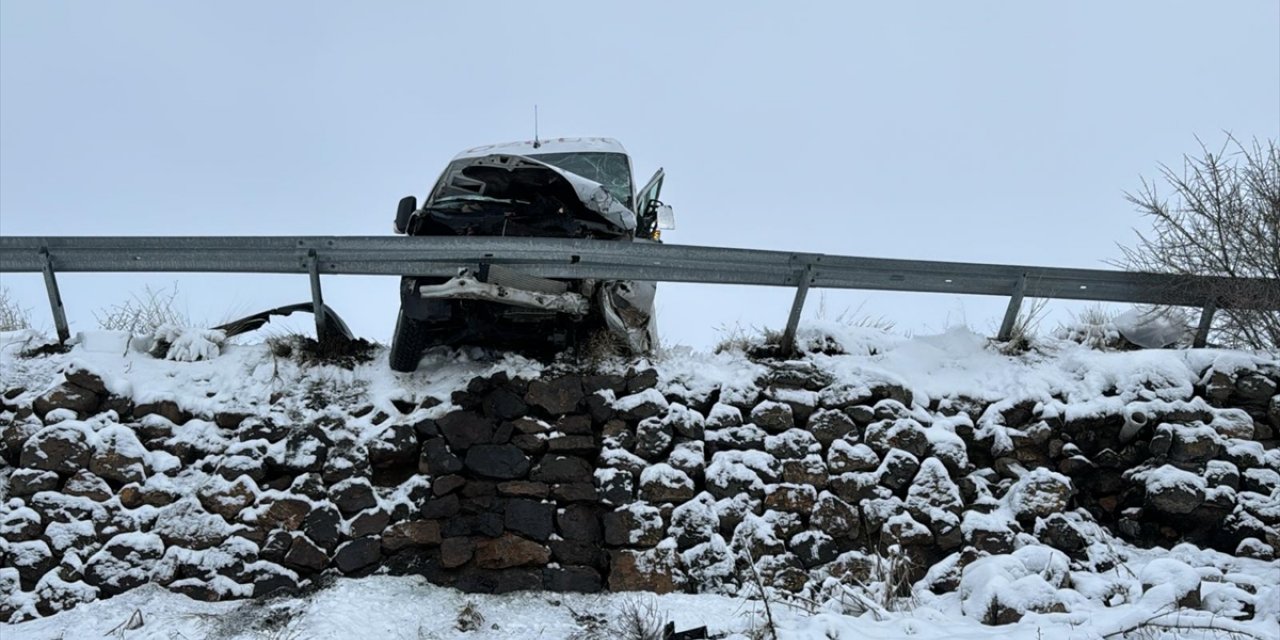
[[404, 211], [666, 217]]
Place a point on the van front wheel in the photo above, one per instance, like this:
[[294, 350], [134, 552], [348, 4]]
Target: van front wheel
[[407, 344]]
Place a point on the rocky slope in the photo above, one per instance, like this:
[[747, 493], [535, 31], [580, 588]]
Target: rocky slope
[[873, 465]]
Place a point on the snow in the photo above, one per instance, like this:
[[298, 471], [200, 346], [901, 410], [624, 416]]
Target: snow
[[1061, 379]]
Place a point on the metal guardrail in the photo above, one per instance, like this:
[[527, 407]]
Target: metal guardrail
[[610, 260]]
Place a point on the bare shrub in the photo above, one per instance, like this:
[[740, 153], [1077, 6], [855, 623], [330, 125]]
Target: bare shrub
[[469, 618], [853, 317], [639, 619], [1094, 327], [12, 316], [1025, 327], [143, 313], [1223, 220]]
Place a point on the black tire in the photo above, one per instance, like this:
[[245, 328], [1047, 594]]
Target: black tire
[[407, 344]]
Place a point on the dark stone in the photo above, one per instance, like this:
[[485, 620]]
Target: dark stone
[[26, 482], [358, 554], [437, 460], [572, 579], [575, 492], [251, 427], [305, 450], [396, 445], [498, 582], [642, 380], [814, 548], [557, 396], [478, 488], [353, 495], [612, 382], [86, 380], [529, 443], [455, 552], [502, 435], [575, 552], [479, 524], [498, 461], [463, 429], [23, 525], [653, 439], [575, 425], [774, 417], [271, 583], [616, 487], [572, 445], [524, 489], [503, 404], [59, 448], [599, 408], [426, 428], [510, 551], [67, 396], [444, 485], [415, 533], [578, 522], [530, 518], [276, 546], [1255, 389], [898, 469], [642, 406], [166, 409], [321, 526], [626, 527], [482, 504], [369, 522], [443, 507], [1060, 533], [556, 468], [305, 556]]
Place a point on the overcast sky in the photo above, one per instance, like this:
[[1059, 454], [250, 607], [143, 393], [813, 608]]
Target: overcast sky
[[976, 131]]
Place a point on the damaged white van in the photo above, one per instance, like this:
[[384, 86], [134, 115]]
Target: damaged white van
[[562, 188]]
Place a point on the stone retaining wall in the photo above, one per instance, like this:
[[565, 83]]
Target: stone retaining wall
[[589, 482]]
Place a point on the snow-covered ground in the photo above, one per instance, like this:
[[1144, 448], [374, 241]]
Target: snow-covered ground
[[410, 608], [959, 363]]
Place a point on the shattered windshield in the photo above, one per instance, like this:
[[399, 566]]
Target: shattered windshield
[[609, 169]]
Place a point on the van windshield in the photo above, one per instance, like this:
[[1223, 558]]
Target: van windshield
[[609, 169]]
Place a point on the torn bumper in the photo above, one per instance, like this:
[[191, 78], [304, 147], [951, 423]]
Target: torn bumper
[[626, 306], [466, 286]]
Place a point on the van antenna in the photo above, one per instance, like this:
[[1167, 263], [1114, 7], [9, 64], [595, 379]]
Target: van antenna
[[536, 142]]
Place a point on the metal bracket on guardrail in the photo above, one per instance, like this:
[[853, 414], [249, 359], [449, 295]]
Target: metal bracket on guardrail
[[1011, 313], [55, 297], [317, 300], [793, 321], [1206, 323]]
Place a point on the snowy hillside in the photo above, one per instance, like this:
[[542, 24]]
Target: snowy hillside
[[878, 486]]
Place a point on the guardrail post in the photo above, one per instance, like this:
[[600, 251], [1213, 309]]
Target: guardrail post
[[793, 321], [1011, 313], [317, 300], [1206, 323], [55, 297]]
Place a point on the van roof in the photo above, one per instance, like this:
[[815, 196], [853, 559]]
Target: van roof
[[550, 145]]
